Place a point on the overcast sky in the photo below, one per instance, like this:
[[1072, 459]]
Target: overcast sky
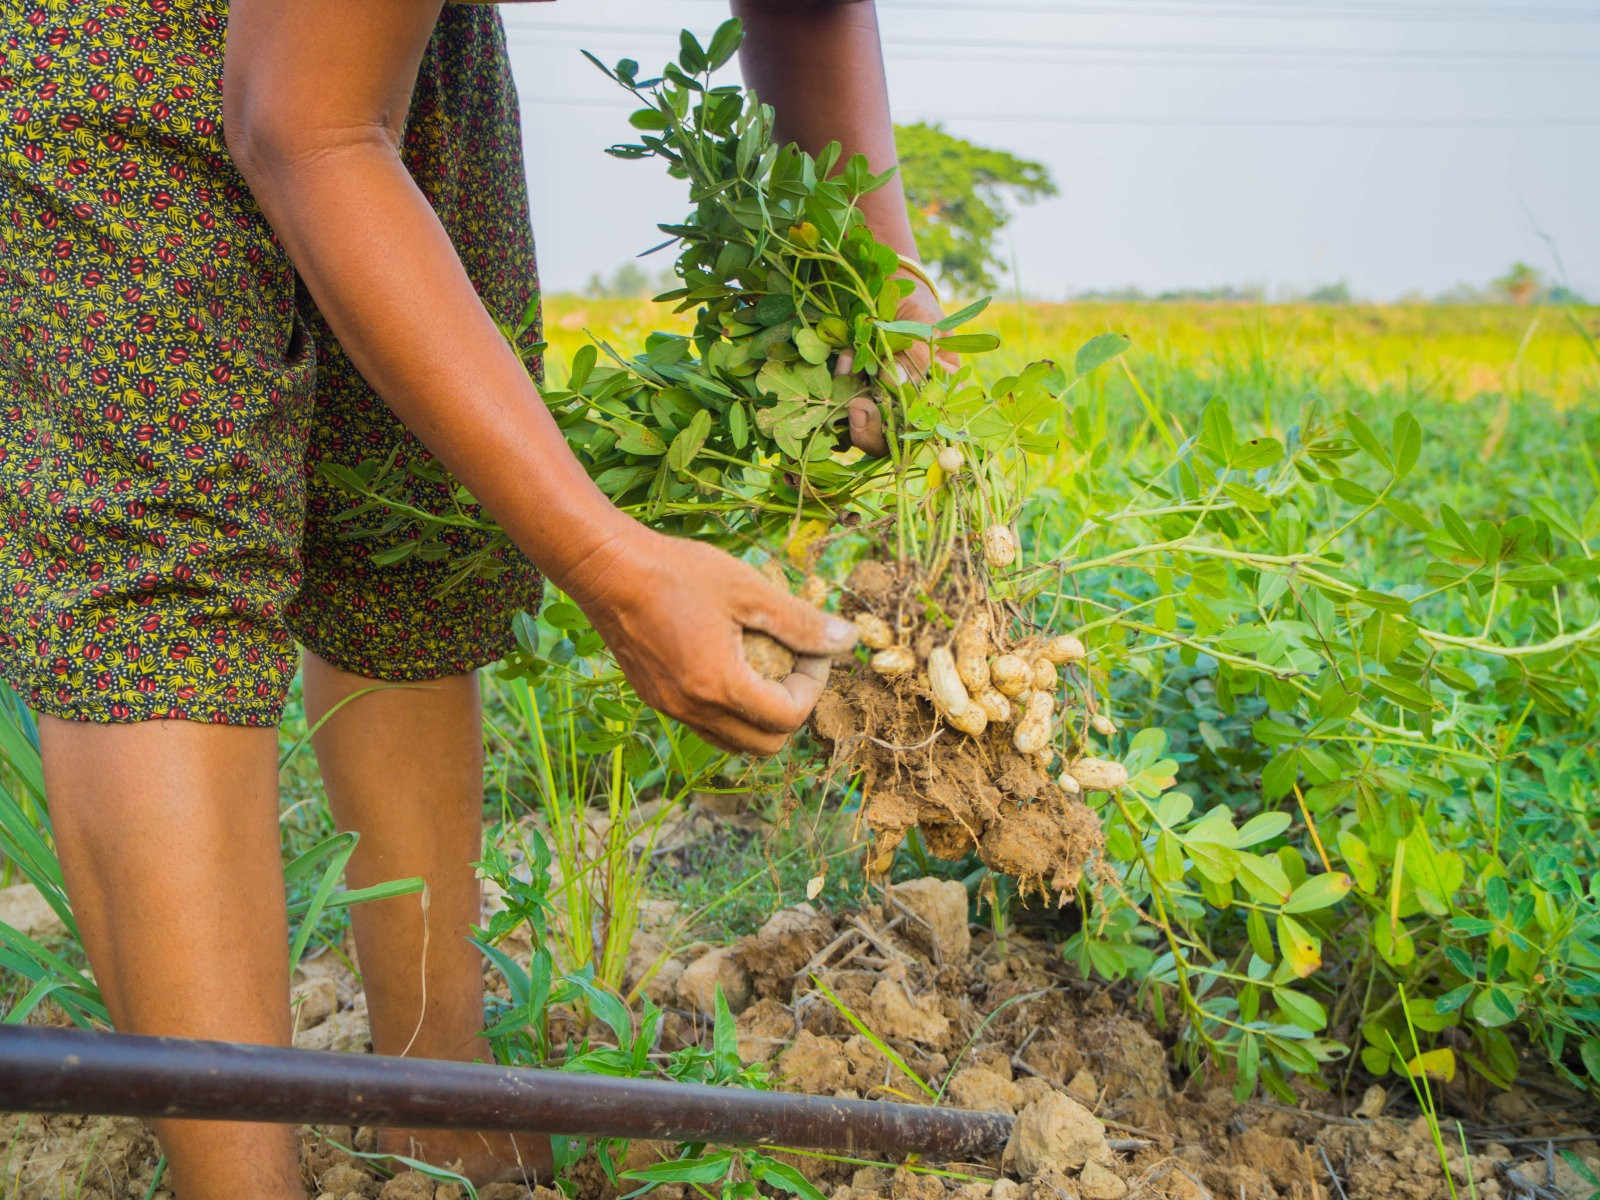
[[1395, 144]]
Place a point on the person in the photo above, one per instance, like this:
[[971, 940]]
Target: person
[[238, 242]]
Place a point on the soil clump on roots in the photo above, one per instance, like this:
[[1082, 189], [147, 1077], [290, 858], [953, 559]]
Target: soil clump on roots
[[963, 789]]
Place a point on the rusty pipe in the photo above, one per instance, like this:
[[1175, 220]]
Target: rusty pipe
[[70, 1070]]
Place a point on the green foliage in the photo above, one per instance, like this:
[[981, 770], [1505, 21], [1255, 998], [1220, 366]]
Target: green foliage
[[1358, 769], [1364, 774], [629, 1046], [36, 971], [957, 193]]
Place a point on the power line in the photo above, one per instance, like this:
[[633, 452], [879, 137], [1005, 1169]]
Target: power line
[[1256, 11], [1046, 52], [1338, 121]]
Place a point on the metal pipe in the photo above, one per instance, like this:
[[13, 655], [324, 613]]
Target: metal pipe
[[70, 1070]]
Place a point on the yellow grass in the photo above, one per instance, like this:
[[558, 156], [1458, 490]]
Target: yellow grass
[[1442, 352]]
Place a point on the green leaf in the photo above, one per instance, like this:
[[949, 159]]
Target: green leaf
[[649, 119], [689, 442], [962, 316], [1497, 898], [583, 360], [1098, 351], [1492, 1007], [691, 55], [1260, 937], [1359, 859], [1407, 444], [1262, 827], [1367, 440], [1256, 453], [636, 439], [705, 1169], [783, 381], [738, 426], [784, 1177], [1352, 492], [725, 42], [1300, 1009], [1589, 1051], [920, 330], [1320, 891], [1264, 878], [1216, 431], [812, 348], [725, 1038], [969, 343]]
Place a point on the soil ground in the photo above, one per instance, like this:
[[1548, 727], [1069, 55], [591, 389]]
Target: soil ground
[[1103, 1114]]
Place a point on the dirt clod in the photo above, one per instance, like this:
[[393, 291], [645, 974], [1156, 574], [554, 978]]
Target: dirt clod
[[895, 1013], [1097, 1182], [698, 984], [24, 909], [983, 1090], [314, 1002], [773, 955], [408, 1185], [1056, 1131], [938, 923]]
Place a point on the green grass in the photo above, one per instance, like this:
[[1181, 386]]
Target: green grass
[[1506, 398]]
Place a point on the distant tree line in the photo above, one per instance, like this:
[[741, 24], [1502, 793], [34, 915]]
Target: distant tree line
[[960, 196], [1521, 284]]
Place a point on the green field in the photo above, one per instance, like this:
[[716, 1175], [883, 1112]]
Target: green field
[[1337, 570], [1335, 563]]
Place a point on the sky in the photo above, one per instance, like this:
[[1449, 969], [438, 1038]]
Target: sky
[[1396, 145]]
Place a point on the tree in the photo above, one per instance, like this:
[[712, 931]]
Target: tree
[[1521, 284], [627, 282], [957, 192]]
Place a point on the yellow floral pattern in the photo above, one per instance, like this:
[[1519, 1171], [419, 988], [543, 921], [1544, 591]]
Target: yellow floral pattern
[[167, 392]]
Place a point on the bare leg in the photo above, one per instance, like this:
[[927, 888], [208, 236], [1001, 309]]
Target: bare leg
[[404, 768], [168, 838]]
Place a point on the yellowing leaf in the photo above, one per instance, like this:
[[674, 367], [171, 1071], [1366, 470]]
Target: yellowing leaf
[[800, 548], [814, 886], [1300, 949], [1437, 1064]]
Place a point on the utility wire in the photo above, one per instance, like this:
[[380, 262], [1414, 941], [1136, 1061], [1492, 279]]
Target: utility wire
[[1342, 121], [1252, 11], [1044, 51]]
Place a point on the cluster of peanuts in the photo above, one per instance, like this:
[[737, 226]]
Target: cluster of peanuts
[[974, 689]]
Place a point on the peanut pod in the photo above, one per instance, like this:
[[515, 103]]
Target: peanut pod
[[1098, 774], [1011, 675], [874, 630], [1033, 731], [999, 546], [972, 653], [895, 660], [950, 695], [1062, 649], [995, 706]]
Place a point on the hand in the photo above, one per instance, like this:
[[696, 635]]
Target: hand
[[866, 422], [673, 611]]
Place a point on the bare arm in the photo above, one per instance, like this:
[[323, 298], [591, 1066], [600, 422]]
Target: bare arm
[[819, 63], [315, 97], [820, 66]]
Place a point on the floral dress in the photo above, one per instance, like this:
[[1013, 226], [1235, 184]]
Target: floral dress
[[169, 394]]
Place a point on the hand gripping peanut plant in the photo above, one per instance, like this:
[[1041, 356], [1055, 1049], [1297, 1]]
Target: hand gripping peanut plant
[[963, 719]]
